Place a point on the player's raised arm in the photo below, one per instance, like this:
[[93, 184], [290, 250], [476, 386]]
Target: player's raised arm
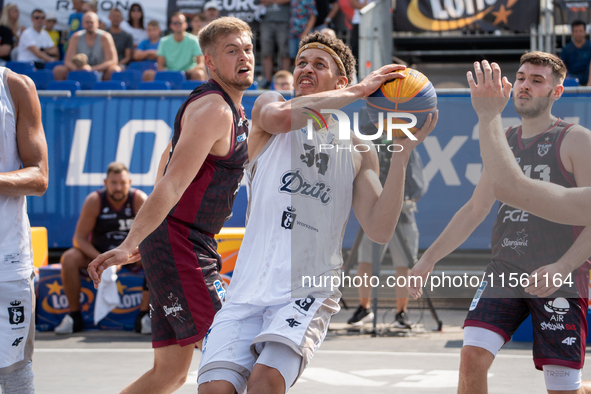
[[463, 223], [204, 124], [510, 185], [378, 209]]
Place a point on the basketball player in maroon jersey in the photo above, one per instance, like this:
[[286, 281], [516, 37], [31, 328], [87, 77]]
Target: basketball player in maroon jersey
[[549, 149], [176, 226]]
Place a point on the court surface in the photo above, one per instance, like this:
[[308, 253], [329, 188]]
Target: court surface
[[347, 362]]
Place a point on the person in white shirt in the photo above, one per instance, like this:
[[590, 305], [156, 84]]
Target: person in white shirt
[[35, 43]]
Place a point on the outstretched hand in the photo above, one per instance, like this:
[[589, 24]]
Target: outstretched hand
[[376, 78], [115, 256], [490, 93]]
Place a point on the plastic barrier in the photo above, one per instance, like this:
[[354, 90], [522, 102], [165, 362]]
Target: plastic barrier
[[40, 251]]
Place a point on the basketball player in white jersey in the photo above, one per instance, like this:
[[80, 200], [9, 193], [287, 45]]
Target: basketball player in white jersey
[[301, 192], [23, 172]]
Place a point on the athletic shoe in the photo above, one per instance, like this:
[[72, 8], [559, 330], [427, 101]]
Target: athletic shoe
[[69, 326], [361, 316], [402, 320], [146, 324]]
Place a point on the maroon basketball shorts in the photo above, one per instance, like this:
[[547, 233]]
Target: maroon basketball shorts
[[182, 270], [559, 323]]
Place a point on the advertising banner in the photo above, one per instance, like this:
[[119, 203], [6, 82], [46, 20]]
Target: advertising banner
[[446, 15]]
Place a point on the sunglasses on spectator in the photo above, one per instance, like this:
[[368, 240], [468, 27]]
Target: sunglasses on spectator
[[135, 10], [176, 23], [39, 17]]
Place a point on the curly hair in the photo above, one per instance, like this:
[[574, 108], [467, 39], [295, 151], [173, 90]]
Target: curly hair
[[340, 48]]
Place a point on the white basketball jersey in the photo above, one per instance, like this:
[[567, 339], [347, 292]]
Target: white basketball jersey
[[300, 196], [15, 233]]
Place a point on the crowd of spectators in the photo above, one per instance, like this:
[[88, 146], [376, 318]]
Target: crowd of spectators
[[109, 46]]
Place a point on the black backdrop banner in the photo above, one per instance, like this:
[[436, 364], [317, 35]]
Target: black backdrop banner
[[446, 15], [567, 11], [247, 10]]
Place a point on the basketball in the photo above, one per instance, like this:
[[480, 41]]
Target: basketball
[[414, 94]]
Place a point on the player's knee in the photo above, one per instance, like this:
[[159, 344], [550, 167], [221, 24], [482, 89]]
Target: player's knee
[[265, 379], [560, 378], [475, 359], [72, 259]]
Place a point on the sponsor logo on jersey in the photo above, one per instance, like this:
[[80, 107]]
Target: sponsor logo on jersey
[[108, 216], [305, 303], [241, 137], [219, 288], [292, 182], [544, 148], [288, 218], [311, 158], [16, 313], [478, 295], [128, 211], [292, 322], [174, 309], [516, 216], [516, 244]]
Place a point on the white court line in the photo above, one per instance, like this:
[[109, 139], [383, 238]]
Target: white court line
[[327, 352]]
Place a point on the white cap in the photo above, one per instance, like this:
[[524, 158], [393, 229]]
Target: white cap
[[212, 4], [50, 16]]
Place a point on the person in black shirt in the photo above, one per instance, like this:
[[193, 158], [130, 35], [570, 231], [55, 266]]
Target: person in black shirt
[[106, 217], [6, 43]]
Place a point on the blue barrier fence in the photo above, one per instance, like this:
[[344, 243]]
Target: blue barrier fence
[[86, 133]]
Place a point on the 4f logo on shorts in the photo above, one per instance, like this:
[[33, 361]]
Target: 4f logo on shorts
[[18, 341], [293, 322], [16, 313], [306, 303], [569, 341], [288, 218]]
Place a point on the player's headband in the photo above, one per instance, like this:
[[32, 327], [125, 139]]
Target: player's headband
[[322, 47]]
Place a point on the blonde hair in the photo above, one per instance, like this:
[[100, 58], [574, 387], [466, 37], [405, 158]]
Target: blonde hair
[[4, 20], [221, 27]]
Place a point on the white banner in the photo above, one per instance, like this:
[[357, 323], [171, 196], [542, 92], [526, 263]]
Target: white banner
[[153, 9]]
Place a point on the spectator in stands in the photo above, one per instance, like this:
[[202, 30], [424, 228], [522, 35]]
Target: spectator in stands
[[135, 24], [179, 51], [50, 21], [94, 44], [122, 39], [92, 6], [576, 55], [10, 15], [148, 49], [275, 34], [198, 22], [302, 19], [211, 10], [7, 40], [75, 20], [35, 44], [283, 80], [105, 219], [327, 10]]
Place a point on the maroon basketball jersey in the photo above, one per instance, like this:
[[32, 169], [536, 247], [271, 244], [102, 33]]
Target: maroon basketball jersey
[[522, 240], [207, 203]]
